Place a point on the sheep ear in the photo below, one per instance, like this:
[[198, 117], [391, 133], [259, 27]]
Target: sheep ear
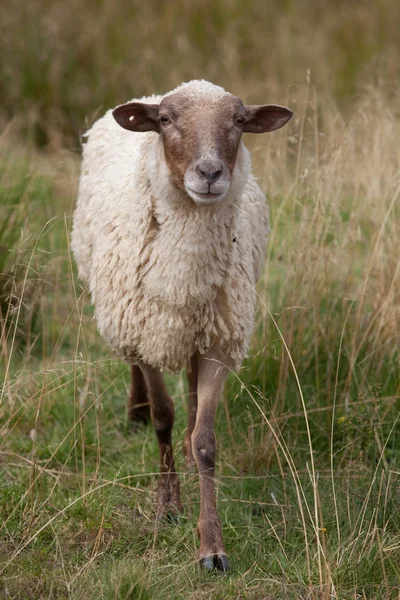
[[137, 116], [267, 117]]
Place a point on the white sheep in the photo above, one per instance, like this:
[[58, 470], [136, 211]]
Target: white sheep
[[169, 233]]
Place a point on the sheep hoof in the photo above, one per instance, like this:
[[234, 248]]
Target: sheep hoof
[[218, 562]]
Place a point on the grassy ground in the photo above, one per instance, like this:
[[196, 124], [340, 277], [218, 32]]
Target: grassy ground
[[308, 431]]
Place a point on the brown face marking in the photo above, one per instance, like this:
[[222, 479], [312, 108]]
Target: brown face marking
[[196, 128], [200, 134]]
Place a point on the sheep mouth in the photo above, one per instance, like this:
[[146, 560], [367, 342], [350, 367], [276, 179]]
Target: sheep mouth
[[206, 197]]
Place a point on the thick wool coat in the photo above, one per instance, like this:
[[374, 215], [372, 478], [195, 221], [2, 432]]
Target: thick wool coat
[[167, 277]]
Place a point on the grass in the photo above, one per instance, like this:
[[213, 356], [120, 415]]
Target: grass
[[308, 430], [78, 501]]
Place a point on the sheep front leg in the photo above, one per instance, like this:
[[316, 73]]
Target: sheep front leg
[[211, 377], [162, 415], [192, 411]]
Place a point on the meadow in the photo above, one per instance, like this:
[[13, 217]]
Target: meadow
[[308, 431]]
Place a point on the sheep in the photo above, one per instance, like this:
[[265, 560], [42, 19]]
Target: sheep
[[169, 233]]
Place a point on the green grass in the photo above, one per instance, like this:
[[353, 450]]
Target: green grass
[[78, 500]]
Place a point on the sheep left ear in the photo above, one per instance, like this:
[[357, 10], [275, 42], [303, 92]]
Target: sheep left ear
[[137, 116], [267, 117]]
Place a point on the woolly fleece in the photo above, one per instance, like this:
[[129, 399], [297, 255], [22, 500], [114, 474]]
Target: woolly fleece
[[167, 276]]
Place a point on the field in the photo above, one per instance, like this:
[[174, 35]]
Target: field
[[308, 431]]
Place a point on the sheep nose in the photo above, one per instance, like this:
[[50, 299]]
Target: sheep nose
[[209, 173]]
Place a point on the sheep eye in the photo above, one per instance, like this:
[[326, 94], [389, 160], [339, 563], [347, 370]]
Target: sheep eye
[[164, 120], [239, 120]]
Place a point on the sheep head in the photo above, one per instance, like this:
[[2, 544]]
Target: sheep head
[[201, 129]]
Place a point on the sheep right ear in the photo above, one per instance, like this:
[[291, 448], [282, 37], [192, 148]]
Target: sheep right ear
[[137, 116]]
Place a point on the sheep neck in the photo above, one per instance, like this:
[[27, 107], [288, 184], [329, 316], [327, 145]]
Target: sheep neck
[[191, 249]]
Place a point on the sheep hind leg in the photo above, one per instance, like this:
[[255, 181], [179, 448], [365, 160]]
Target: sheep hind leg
[[138, 401], [162, 414], [211, 377], [192, 377]]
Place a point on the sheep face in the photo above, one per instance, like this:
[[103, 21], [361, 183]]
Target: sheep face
[[201, 136]]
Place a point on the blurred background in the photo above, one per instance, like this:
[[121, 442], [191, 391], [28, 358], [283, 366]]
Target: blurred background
[[330, 289], [63, 63]]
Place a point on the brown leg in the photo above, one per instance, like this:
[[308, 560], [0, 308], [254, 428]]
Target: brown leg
[[211, 377], [138, 402], [192, 410], [162, 414]]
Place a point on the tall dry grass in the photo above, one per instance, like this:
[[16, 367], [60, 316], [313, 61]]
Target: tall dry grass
[[334, 254]]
